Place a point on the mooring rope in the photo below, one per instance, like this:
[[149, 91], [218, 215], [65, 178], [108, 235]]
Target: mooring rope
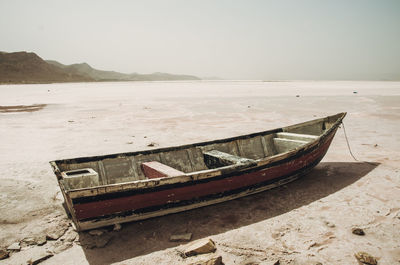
[[348, 144], [351, 153]]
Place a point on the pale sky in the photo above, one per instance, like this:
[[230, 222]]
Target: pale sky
[[263, 40]]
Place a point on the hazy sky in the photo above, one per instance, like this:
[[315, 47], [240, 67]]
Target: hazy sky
[[309, 39]]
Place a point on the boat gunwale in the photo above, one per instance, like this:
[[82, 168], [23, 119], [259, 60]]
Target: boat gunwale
[[203, 174]]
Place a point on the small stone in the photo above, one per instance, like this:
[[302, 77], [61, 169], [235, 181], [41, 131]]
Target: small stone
[[297, 96], [201, 246], [3, 254], [152, 144], [117, 227], [96, 232], [365, 258], [69, 236], [39, 257], [71, 121], [61, 248], [56, 232], [181, 237], [211, 261], [41, 240], [277, 262], [329, 224], [29, 241], [14, 247], [358, 231]]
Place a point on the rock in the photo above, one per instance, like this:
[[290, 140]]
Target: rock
[[69, 236], [96, 232], [56, 232], [3, 254], [358, 231], [329, 224], [212, 261], [274, 262], [117, 227], [29, 241], [61, 248], [39, 257], [181, 237], [40, 240], [365, 258], [201, 246], [14, 247], [152, 144]]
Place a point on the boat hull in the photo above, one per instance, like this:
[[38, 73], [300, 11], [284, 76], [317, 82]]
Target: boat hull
[[138, 204]]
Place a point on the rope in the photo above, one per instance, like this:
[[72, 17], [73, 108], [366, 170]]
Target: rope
[[348, 144], [351, 153]]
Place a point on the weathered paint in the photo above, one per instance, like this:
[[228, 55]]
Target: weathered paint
[[117, 202], [186, 193]]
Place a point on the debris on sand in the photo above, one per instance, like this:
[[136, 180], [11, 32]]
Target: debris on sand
[[181, 237], [329, 224], [14, 247], [152, 144], [39, 257], [56, 232], [117, 227], [3, 254], [38, 240], [358, 231], [201, 246], [365, 258], [41, 240], [211, 261]]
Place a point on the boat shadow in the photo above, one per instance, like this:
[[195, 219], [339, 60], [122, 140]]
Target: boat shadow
[[144, 237]]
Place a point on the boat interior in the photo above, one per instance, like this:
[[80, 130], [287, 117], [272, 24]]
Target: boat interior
[[176, 161]]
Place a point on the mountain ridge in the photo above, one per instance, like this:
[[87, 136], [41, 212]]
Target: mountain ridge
[[28, 67]]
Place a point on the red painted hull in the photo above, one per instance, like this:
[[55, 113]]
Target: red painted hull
[[104, 207]]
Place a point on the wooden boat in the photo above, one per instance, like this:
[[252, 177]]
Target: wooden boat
[[117, 188]]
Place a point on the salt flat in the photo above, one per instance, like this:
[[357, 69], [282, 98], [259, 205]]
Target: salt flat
[[307, 221]]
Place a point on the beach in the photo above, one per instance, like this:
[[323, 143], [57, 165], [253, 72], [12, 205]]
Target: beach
[[304, 222]]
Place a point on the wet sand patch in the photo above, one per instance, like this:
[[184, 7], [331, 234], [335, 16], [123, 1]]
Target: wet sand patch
[[22, 108]]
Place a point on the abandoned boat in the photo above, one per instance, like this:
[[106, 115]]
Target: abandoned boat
[[117, 188]]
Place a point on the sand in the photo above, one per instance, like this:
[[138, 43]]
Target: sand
[[305, 222]]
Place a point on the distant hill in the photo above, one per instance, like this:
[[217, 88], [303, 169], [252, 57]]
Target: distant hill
[[100, 75], [27, 67], [24, 67]]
